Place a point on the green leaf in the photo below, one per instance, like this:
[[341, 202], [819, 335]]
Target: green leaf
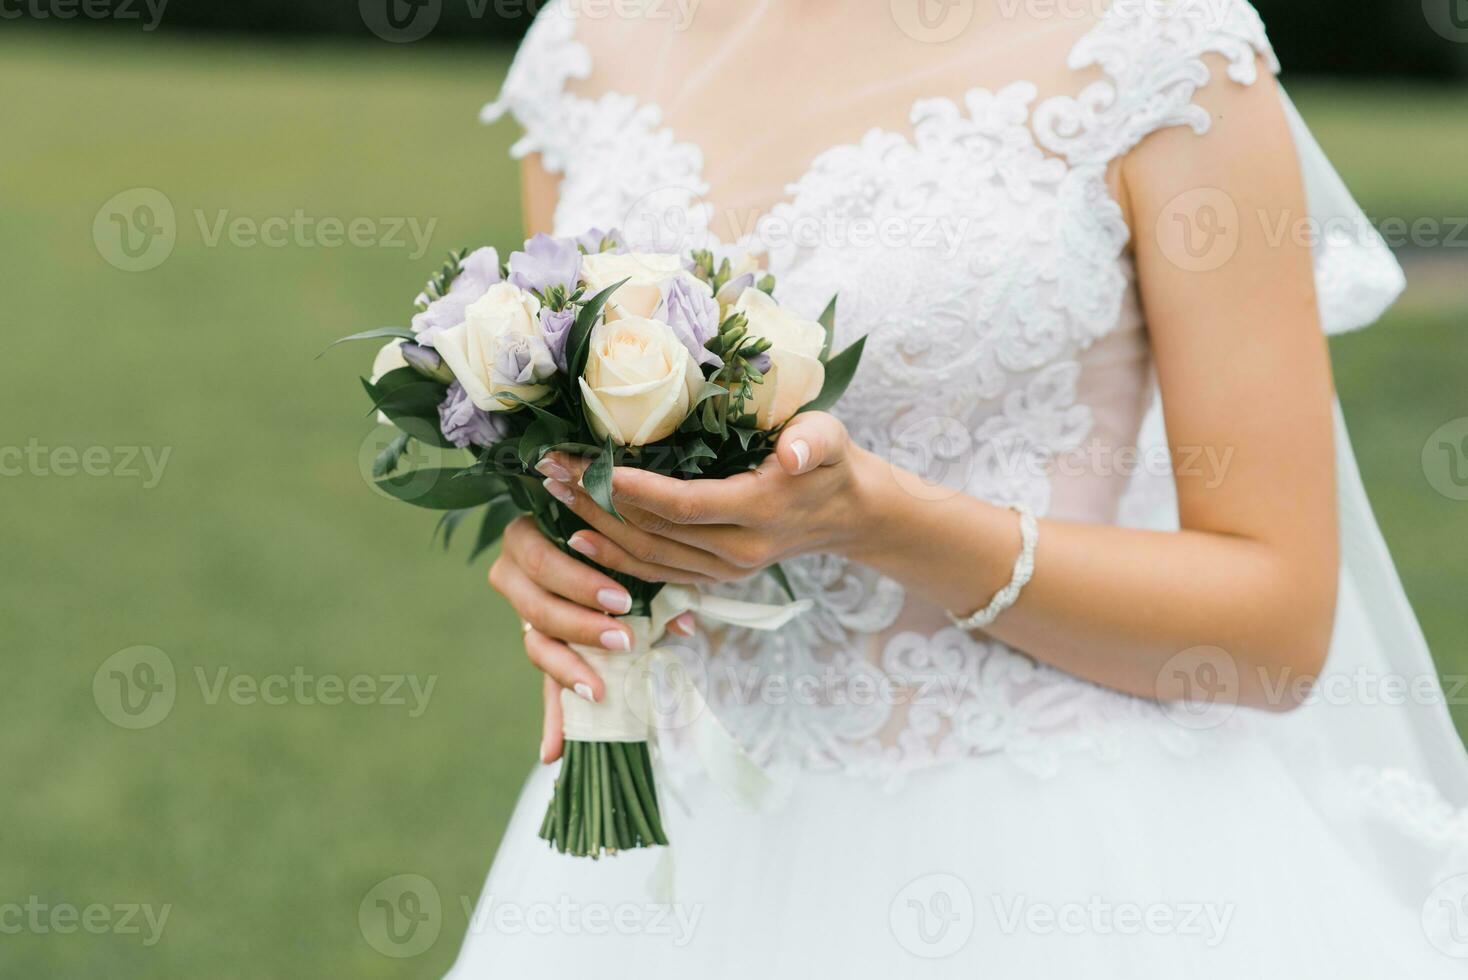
[[580, 337], [497, 517], [411, 402], [839, 372], [545, 432], [598, 480], [827, 320], [444, 488], [778, 574], [414, 399], [387, 460], [402, 333]]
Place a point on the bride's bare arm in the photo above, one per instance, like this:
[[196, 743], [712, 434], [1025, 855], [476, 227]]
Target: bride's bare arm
[[1243, 368]]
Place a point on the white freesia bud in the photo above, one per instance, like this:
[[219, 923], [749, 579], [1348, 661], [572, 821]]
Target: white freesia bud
[[390, 358], [640, 381], [796, 373], [645, 273], [499, 349]]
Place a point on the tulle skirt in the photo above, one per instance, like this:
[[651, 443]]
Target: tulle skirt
[[1146, 866]]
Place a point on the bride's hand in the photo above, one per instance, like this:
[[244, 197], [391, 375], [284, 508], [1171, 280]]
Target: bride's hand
[[804, 498], [561, 601]]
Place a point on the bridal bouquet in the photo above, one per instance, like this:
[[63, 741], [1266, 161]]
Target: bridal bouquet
[[680, 364]]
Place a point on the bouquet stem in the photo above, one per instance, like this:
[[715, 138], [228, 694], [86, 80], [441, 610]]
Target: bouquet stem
[[604, 800]]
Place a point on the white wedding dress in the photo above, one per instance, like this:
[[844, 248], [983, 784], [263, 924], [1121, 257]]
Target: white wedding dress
[[950, 807]]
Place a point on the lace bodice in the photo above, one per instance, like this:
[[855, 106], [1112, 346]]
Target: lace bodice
[[1006, 356]]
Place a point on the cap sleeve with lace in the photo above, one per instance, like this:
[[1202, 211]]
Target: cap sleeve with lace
[[534, 91], [1153, 54]]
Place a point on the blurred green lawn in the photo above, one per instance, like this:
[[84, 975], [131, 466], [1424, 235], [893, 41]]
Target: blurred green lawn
[[261, 551]]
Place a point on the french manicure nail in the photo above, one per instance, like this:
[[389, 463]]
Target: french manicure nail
[[558, 490], [616, 640], [583, 691], [801, 449], [585, 547], [549, 467], [544, 750], [688, 623], [613, 600]]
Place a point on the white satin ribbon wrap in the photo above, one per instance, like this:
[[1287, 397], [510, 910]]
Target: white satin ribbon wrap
[[634, 708]]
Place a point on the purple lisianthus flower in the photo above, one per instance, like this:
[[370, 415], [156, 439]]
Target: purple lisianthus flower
[[546, 262], [591, 241], [555, 328], [480, 270], [465, 424], [522, 361], [693, 314]]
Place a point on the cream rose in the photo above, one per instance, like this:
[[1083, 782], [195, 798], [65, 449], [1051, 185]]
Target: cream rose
[[640, 381], [796, 373], [498, 349], [645, 273]]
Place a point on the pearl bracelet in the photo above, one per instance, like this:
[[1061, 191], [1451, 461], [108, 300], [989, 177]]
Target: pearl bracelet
[[1024, 567]]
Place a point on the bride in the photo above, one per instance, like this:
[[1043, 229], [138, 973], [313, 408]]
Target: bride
[[1078, 697]]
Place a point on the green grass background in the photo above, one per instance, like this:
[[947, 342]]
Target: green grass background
[[261, 550]]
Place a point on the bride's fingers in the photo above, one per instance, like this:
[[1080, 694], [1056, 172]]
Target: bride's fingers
[[609, 554], [559, 573], [675, 560], [551, 738], [811, 440], [563, 665], [556, 617]]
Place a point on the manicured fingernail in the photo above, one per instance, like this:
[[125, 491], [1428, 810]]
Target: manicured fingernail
[[686, 624], [586, 548], [544, 750], [616, 640], [583, 691], [613, 600], [558, 490], [801, 449], [549, 467]]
